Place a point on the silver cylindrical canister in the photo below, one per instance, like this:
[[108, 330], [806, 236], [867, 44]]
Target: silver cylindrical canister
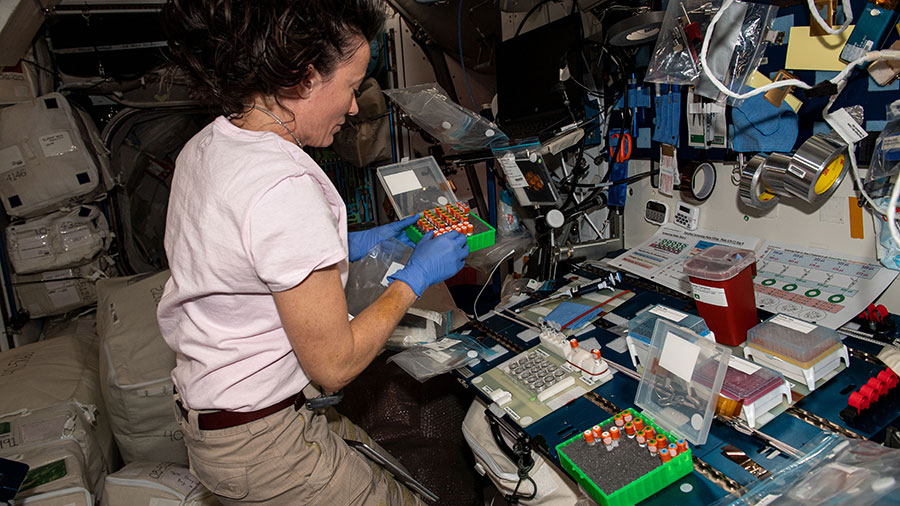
[[817, 168], [752, 188]]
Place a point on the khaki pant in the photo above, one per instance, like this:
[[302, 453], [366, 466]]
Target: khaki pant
[[290, 458]]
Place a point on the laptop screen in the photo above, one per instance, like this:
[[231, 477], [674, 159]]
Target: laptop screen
[[528, 69]]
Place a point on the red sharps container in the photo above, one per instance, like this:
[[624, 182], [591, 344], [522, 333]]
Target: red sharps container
[[722, 285]]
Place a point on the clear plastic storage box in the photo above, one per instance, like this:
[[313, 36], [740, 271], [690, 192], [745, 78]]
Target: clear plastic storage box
[[640, 329], [674, 387]]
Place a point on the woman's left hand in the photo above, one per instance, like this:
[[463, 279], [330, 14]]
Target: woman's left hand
[[360, 243]]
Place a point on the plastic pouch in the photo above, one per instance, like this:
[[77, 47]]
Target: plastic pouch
[[430, 108], [419, 326], [886, 157], [737, 43], [835, 470], [431, 359], [367, 277]]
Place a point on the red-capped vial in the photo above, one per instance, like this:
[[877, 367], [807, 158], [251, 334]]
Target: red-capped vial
[[589, 437], [607, 438], [651, 445], [673, 449], [650, 433], [573, 343], [620, 422], [664, 455], [596, 354], [682, 445], [640, 438], [661, 441], [614, 432], [627, 416], [638, 423], [629, 429]]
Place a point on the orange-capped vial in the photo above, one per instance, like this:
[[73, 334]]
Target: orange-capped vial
[[650, 433], [682, 445], [638, 423], [673, 450], [607, 438], [640, 438], [573, 343], [470, 229], [597, 431], [651, 445], [596, 354], [614, 432], [664, 455], [620, 422], [629, 429], [589, 437], [661, 441], [627, 416]]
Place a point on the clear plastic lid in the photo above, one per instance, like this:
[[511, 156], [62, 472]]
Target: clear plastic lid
[[799, 342], [416, 185], [673, 390], [718, 263], [641, 325], [744, 380]]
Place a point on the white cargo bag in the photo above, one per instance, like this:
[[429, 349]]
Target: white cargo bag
[[49, 378], [31, 430], [155, 484], [135, 369], [56, 476], [56, 292], [47, 156], [554, 488], [64, 238]]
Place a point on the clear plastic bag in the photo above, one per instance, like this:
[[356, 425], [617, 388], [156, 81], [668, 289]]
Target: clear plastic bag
[[419, 326], [430, 108], [734, 52], [444, 355], [835, 470], [367, 277], [886, 158]]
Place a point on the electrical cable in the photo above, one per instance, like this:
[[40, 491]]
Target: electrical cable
[[489, 278], [462, 61], [528, 15], [848, 17]]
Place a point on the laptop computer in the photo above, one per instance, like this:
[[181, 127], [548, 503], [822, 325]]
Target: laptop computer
[[530, 98]]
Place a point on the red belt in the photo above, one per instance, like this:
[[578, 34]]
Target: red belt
[[227, 419]]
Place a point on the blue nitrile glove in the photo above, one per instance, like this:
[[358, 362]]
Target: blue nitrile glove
[[434, 260], [360, 243]]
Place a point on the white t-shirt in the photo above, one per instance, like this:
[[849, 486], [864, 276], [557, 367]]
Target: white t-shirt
[[249, 214]]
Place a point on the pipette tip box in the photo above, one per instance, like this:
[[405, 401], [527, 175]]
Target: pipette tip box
[[802, 351]]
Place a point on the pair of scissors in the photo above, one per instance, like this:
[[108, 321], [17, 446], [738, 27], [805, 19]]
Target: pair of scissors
[[622, 154]]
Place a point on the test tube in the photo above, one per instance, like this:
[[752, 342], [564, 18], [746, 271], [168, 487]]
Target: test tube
[[638, 423], [682, 445], [673, 450], [641, 439], [607, 440], [618, 418], [650, 433], [589, 437], [629, 429], [597, 431], [627, 416], [614, 432], [661, 441], [651, 445], [664, 455]]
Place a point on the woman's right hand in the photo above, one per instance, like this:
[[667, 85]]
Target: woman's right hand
[[434, 260]]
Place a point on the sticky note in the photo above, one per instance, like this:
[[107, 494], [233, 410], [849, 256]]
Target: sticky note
[[402, 182], [815, 53]]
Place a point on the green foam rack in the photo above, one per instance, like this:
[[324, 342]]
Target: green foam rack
[[639, 489], [476, 241]]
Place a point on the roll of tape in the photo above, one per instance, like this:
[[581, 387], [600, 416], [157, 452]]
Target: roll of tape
[[817, 168], [636, 30], [774, 170], [752, 189], [698, 182]]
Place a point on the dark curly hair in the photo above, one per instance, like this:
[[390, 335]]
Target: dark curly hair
[[235, 50]]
